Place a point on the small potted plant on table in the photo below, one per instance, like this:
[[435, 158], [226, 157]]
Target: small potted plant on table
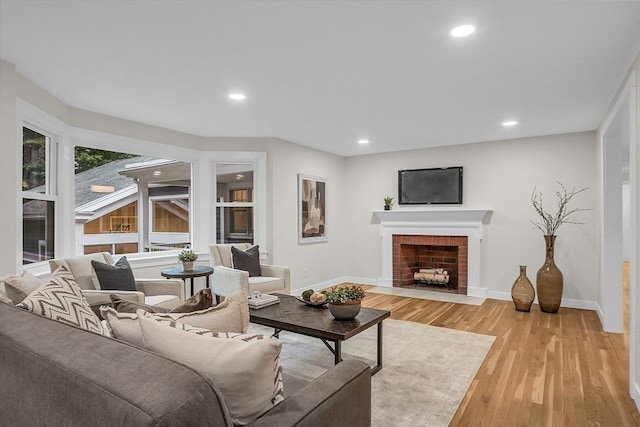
[[344, 301], [187, 257]]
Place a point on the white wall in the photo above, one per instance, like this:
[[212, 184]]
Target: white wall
[[499, 176], [626, 222], [311, 263], [8, 168]]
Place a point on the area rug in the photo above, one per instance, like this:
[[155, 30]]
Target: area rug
[[426, 369]]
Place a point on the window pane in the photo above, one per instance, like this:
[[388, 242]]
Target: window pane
[[93, 249], [171, 215], [234, 182], [237, 224], [122, 220], [34, 156], [126, 248], [37, 230]]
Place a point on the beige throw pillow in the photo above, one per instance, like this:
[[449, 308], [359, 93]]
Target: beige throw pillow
[[245, 372], [231, 315], [17, 288], [61, 299]]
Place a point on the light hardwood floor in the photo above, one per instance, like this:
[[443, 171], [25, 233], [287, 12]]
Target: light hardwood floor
[[542, 370]]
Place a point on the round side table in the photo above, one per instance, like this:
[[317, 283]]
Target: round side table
[[179, 273]]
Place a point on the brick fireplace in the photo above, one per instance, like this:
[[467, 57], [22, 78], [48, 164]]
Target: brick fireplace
[[440, 229], [412, 252]]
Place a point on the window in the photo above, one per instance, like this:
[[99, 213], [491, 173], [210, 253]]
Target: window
[[38, 197], [113, 189], [235, 203]]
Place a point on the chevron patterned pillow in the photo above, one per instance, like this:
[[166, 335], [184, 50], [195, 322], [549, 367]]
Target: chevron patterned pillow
[[61, 299]]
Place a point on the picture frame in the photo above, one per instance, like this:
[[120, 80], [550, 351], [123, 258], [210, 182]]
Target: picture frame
[[312, 208]]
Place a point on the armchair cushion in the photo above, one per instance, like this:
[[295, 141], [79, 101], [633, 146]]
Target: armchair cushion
[[61, 299], [117, 277], [247, 260]]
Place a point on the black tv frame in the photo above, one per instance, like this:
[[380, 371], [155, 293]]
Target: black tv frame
[[457, 202]]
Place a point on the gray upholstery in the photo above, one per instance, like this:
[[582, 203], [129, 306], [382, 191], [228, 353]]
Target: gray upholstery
[[226, 280], [167, 293], [55, 374]]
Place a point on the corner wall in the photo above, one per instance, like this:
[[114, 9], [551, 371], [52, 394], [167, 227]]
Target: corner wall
[[9, 216], [499, 176]]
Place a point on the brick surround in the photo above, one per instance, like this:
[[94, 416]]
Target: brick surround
[[411, 252]]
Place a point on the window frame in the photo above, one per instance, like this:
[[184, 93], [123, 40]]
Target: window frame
[[50, 194]]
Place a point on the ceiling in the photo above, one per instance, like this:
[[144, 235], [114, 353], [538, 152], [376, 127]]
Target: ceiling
[[326, 74]]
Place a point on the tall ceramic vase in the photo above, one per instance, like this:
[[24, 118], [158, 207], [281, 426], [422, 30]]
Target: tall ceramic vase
[[522, 292], [549, 280]]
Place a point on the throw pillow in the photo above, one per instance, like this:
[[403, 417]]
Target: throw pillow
[[117, 277], [125, 306], [200, 301], [17, 288], [248, 260], [226, 316], [61, 299], [247, 373], [231, 315]]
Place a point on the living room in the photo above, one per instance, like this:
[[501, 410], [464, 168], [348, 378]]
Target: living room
[[500, 174]]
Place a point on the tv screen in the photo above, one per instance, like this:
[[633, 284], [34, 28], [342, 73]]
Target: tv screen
[[430, 186]]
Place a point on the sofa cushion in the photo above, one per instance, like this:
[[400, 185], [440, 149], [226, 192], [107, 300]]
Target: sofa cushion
[[164, 301], [61, 299], [18, 287], [117, 277], [247, 260], [247, 373], [80, 267], [231, 315]]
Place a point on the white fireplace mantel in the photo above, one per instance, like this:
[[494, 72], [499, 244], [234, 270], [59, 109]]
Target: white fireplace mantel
[[434, 222]]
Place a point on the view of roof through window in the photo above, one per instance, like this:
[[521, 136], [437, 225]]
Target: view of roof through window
[[127, 203]]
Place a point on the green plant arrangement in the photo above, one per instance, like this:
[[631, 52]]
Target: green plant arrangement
[[345, 293], [388, 201], [187, 255]]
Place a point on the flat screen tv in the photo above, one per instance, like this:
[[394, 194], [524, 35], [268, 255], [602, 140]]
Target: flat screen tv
[[437, 186]]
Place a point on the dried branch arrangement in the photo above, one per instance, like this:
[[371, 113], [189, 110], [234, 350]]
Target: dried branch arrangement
[[550, 223]]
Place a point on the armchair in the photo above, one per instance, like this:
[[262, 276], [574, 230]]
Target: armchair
[[227, 280], [167, 293]]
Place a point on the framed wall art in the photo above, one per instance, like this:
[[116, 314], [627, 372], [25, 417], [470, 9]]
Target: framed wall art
[[312, 208]]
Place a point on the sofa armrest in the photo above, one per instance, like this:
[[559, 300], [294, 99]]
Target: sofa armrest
[[278, 271], [228, 280], [339, 397], [95, 297], [151, 287]]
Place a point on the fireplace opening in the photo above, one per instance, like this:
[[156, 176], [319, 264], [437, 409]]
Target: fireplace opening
[[436, 263]]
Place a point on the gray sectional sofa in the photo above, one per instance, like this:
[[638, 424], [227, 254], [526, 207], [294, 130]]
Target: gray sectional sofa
[[53, 374]]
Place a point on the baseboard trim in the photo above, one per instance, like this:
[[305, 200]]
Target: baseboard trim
[[566, 302], [635, 394]]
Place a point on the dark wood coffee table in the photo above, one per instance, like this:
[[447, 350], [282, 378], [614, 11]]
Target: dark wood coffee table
[[294, 316]]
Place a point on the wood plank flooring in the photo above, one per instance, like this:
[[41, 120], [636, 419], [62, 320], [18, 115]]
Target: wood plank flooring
[[543, 369]]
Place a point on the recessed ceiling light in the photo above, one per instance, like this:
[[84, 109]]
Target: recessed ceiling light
[[363, 141], [157, 173], [239, 176], [462, 30], [237, 96], [509, 123]]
